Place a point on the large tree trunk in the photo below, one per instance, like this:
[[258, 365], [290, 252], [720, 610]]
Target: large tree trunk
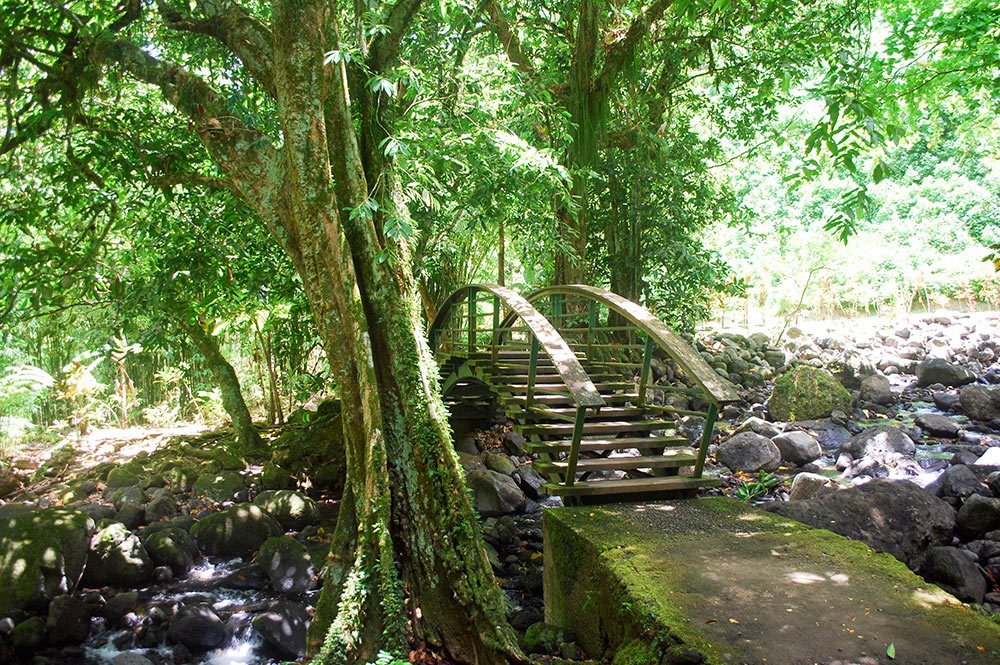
[[247, 438], [406, 530]]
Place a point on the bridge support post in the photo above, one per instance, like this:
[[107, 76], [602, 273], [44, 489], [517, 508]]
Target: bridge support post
[[574, 447], [472, 321], [529, 394], [706, 439], [647, 358]]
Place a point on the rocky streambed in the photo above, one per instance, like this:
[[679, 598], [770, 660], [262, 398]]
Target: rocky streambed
[[190, 554]]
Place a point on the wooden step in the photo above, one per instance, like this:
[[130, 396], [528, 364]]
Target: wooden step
[[612, 398], [630, 486], [669, 458], [595, 445], [605, 412], [602, 387], [522, 379], [604, 427]]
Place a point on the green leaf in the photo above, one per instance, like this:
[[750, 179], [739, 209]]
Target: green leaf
[[891, 651]]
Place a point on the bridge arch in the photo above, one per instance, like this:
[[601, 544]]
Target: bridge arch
[[569, 385]]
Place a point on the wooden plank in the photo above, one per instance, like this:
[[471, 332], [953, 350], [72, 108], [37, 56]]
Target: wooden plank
[[629, 486], [597, 445], [608, 427], [669, 458]]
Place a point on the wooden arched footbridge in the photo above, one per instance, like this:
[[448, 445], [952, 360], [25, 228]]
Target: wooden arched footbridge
[[570, 365]]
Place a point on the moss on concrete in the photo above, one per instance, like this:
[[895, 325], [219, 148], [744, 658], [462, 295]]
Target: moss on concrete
[[731, 581], [807, 393]]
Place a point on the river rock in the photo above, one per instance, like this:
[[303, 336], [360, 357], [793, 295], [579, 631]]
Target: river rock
[[284, 626], [235, 531], [530, 481], [221, 486], [939, 370], [162, 505], [797, 448], [172, 547], [119, 606], [116, 558], [68, 621], [758, 426], [878, 441], [946, 401], [892, 516], [954, 572], [123, 476], [28, 636], [807, 393], [938, 425], [9, 483], [876, 389], [978, 515], [293, 510], [747, 451], [42, 555], [287, 565], [499, 463], [809, 486], [198, 628], [493, 493], [958, 481], [980, 402], [131, 658]]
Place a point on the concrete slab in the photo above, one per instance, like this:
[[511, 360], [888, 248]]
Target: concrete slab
[[739, 585]]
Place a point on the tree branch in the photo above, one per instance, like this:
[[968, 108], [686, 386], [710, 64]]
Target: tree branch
[[249, 39], [171, 178], [398, 19], [508, 38], [623, 49]]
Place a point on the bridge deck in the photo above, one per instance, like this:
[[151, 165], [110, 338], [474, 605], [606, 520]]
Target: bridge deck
[[740, 585]]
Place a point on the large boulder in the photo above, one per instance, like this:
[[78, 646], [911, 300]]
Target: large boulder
[[219, 486], [876, 389], [293, 510], [198, 628], [284, 626], [798, 448], [68, 621], [747, 451], [806, 393], [954, 572], [287, 565], [980, 402], [810, 486], [172, 547], [939, 370], [42, 555], [235, 531], [958, 481], [892, 516], [937, 425], [493, 493], [978, 515], [116, 558], [879, 441]]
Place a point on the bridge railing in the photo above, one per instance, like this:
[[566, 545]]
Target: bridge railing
[[604, 327], [468, 324]]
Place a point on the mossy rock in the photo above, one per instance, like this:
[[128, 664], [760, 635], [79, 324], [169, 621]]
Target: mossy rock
[[807, 393], [42, 555], [275, 477], [180, 477], [28, 636], [636, 652], [172, 547], [117, 558], [220, 486], [293, 510], [545, 638], [235, 531], [124, 475]]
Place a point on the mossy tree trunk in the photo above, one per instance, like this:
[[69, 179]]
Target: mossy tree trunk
[[406, 532], [247, 438]]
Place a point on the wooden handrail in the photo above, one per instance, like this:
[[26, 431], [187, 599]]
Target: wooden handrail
[[718, 390], [581, 388]]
